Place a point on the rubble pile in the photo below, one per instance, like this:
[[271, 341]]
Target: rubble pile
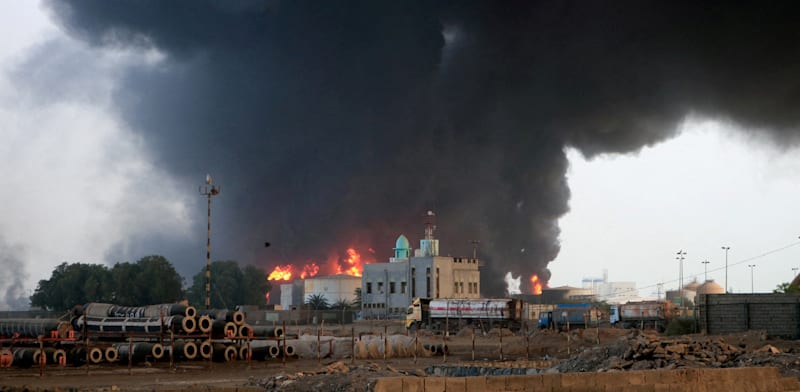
[[639, 351]]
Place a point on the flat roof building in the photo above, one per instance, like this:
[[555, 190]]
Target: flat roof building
[[387, 289]]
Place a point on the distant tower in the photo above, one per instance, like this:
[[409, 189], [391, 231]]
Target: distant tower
[[429, 246], [402, 248]]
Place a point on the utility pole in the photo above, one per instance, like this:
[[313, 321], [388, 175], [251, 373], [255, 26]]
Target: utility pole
[[209, 190], [752, 266], [705, 270], [726, 249], [474, 248], [681, 256]]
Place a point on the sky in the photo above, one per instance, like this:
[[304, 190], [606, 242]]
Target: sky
[[105, 119]]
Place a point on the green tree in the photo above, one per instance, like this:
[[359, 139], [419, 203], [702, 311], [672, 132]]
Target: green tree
[[124, 277], [230, 285], [255, 285], [73, 284], [157, 282], [317, 302], [786, 288]]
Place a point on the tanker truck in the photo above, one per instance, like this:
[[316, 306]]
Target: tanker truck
[[643, 314], [453, 314], [566, 316]]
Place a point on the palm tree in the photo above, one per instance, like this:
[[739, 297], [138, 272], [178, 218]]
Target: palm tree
[[357, 298], [317, 302], [341, 304]]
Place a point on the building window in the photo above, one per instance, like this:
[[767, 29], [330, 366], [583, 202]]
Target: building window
[[455, 287], [391, 288], [380, 287], [461, 285], [402, 287], [369, 287], [413, 282], [437, 283], [428, 282]]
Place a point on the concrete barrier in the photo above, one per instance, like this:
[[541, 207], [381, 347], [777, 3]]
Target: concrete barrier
[[760, 379]]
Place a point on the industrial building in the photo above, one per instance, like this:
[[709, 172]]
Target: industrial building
[[611, 292], [387, 289], [333, 288]]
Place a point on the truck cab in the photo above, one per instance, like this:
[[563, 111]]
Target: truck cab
[[418, 312], [613, 314]]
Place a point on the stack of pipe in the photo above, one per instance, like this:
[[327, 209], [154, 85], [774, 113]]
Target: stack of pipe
[[33, 328], [141, 325], [98, 309], [139, 351]]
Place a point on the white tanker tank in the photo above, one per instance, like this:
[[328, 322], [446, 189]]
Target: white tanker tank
[[454, 313]]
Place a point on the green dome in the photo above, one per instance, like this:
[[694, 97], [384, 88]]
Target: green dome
[[402, 243]]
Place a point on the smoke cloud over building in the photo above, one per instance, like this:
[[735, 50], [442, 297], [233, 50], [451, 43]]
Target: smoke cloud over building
[[333, 125]]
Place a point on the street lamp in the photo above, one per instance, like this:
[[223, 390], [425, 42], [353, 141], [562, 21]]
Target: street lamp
[[210, 190], [726, 249], [705, 270], [680, 258], [795, 271], [752, 266]]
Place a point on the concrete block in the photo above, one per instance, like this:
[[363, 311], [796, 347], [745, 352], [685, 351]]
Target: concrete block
[[635, 377], [389, 384], [551, 381], [413, 384], [455, 384], [516, 383], [476, 384], [495, 383], [432, 384]]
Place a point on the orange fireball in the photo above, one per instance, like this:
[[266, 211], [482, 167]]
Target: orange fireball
[[309, 270], [536, 285], [281, 273]]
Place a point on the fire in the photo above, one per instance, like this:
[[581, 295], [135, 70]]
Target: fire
[[536, 285], [281, 273], [353, 265], [309, 270]]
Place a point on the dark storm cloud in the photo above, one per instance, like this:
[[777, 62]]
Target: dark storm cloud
[[332, 124]]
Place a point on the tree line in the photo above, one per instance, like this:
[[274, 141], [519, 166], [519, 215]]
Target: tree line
[[150, 280]]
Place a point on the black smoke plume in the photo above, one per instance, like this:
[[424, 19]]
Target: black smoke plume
[[339, 123]]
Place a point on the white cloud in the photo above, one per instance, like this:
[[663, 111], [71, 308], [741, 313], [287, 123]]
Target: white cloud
[[76, 181]]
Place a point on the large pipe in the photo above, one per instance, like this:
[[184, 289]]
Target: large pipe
[[289, 350], [189, 350], [139, 351], [245, 330], [206, 349], [188, 324], [6, 358], [77, 356], [205, 324], [227, 353], [32, 328], [97, 309], [124, 325], [95, 355], [266, 332], [26, 356], [223, 329], [111, 354]]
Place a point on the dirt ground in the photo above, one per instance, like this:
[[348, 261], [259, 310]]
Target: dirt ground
[[597, 349]]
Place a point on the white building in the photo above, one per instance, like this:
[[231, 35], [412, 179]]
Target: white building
[[611, 292], [333, 288]]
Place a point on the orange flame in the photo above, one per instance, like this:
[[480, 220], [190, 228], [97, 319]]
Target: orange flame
[[309, 270], [353, 265], [281, 273], [536, 285]]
